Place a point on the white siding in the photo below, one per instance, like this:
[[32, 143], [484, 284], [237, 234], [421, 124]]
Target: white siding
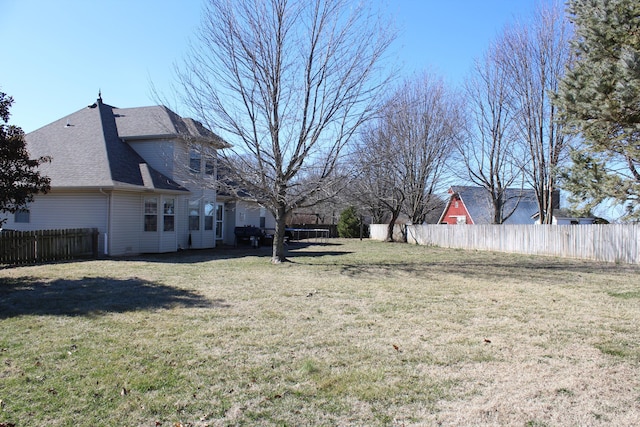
[[182, 173], [229, 223], [270, 220], [247, 214], [240, 214], [158, 154], [169, 239], [126, 225], [171, 158], [62, 210], [160, 241], [182, 221], [200, 239]]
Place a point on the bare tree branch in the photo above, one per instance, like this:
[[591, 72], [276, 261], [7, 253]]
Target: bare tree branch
[[288, 82], [489, 153], [535, 58]]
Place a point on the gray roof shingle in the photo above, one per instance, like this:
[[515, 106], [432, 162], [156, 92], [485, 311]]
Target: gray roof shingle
[[159, 121], [521, 204], [87, 150]]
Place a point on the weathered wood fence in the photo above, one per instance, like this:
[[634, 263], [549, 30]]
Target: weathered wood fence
[[28, 247], [603, 242]]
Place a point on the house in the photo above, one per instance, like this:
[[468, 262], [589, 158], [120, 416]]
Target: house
[[472, 205], [564, 217], [144, 177]]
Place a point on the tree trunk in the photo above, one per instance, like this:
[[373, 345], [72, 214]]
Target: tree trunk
[[278, 250], [392, 224], [497, 209]]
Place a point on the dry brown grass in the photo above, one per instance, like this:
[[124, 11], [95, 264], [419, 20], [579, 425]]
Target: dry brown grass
[[351, 333]]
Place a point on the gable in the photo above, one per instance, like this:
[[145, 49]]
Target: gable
[[520, 204], [455, 212]]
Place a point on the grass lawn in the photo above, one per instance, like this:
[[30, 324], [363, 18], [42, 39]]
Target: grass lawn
[[348, 333]]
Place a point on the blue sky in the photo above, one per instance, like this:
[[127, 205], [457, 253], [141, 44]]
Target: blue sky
[[57, 54]]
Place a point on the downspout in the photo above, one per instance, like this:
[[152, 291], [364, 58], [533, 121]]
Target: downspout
[[108, 231]]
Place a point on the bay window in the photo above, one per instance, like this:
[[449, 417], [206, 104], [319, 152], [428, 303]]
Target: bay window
[[194, 215], [219, 220], [209, 212], [151, 214], [169, 215]]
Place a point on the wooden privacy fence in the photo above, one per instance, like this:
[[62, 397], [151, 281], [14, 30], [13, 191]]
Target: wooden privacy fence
[[28, 247], [601, 242]]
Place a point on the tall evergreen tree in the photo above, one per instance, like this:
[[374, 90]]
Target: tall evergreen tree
[[19, 178], [600, 100]]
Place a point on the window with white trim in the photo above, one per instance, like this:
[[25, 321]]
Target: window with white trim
[[263, 217], [194, 215], [209, 212], [151, 214], [209, 167], [219, 219], [195, 161], [168, 219], [22, 216]]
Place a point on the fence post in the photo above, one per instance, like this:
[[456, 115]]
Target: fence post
[[94, 242]]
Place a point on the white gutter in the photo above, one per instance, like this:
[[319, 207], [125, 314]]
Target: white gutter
[[108, 232]]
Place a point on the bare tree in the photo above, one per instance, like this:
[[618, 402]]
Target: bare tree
[[425, 124], [534, 58], [488, 153], [402, 156], [378, 186], [288, 83]]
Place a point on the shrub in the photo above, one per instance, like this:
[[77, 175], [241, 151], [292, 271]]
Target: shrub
[[349, 223]]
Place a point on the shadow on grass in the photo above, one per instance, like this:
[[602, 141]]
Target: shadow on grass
[[92, 296], [489, 266], [193, 256], [301, 249]]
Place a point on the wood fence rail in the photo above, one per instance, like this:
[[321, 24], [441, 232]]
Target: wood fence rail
[[600, 242], [29, 247]]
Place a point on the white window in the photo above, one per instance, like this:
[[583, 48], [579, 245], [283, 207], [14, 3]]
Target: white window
[[151, 214], [209, 167], [194, 215], [22, 216], [209, 212], [263, 217], [195, 160], [169, 215], [219, 220]]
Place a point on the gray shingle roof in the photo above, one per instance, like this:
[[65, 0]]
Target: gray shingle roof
[[159, 121], [87, 151], [520, 203]]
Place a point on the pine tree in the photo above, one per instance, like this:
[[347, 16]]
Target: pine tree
[[19, 179], [349, 223], [600, 100]]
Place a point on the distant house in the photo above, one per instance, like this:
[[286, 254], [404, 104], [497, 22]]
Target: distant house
[[564, 217], [139, 175], [472, 205]]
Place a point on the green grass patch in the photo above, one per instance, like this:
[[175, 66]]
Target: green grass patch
[[620, 349], [635, 294]]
